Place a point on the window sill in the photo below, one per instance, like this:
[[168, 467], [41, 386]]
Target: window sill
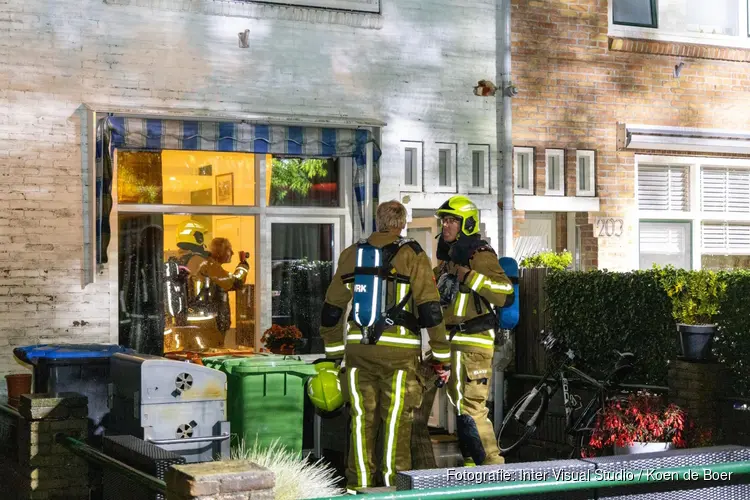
[[254, 10], [700, 46]]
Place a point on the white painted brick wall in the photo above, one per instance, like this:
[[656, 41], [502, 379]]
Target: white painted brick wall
[[416, 72]]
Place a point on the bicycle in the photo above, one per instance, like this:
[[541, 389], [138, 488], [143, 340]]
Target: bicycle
[[578, 428]]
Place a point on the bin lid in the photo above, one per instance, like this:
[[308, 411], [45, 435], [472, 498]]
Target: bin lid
[[272, 363], [33, 353]]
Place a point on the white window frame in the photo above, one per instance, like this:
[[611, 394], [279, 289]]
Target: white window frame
[[340, 216], [694, 213], [452, 186], [742, 40], [418, 145], [485, 150], [560, 155], [591, 155], [520, 150]]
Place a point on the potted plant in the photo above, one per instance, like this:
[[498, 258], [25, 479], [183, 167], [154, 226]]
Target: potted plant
[[282, 339], [695, 296], [642, 423]]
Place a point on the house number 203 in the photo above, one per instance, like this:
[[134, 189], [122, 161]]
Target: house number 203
[[609, 227]]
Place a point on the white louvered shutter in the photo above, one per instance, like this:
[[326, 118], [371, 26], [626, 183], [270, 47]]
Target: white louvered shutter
[[725, 190], [663, 188], [725, 238]]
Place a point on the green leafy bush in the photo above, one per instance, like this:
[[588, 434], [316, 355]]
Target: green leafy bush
[[597, 312], [549, 259], [695, 295], [732, 345]]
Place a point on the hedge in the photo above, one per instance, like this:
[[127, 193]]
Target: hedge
[[599, 311]]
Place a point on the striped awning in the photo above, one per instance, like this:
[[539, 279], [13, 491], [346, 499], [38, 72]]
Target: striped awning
[[115, 132]]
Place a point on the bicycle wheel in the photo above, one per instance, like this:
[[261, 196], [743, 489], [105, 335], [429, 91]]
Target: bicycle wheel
[[521, 422]]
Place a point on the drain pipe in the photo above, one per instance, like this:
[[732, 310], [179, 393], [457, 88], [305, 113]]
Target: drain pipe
[[505, 144], [505, 139]]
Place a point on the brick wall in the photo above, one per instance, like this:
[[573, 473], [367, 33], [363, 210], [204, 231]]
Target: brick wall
[[413, 67], [574, 90]]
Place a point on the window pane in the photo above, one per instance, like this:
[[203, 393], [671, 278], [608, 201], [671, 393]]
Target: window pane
[[523, 171], [583, 173], [303, 182], [409, 170], [477, 169], [554, 165], [302, 269], [715, 17], [185, 178], [634, 12], [168, 301], [444, 167], [665, 243]]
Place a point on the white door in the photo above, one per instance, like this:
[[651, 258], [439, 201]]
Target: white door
[[537, 233]]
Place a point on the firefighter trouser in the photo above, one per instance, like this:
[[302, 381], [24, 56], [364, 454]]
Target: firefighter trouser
[[422, 453], [468, 388], [381, 392]]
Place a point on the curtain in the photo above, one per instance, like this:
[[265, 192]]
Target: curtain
[[141, 261]]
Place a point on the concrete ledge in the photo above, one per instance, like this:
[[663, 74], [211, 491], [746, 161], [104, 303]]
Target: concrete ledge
[[555, 203]]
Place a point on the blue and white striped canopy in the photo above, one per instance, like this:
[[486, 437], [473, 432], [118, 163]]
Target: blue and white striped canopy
[[115, 132]]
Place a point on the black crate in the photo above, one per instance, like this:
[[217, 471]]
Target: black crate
[[140, 455]]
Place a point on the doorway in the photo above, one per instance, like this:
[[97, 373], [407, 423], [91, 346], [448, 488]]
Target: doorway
[[536, 234]]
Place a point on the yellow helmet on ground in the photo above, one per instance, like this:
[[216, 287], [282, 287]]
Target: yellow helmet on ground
[[324, 388], [191, 233], [463, 209]]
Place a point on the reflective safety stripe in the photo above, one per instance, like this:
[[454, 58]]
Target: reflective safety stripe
[[475, 340], [388, 339], [332, 349], [505, 288], [398, 391], [460, 308], [358, 430], [458, 376], [354, 336], [477, 281], [441, 355]]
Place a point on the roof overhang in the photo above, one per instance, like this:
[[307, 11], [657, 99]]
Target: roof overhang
[[661, 138], [555, 203]]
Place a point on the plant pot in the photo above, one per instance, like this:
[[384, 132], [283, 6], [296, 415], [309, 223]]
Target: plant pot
[[639, 447], [18, 383], [696, 341]]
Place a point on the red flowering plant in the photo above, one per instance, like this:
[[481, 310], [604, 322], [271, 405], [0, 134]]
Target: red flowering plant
[[640, 418], [282, 337]]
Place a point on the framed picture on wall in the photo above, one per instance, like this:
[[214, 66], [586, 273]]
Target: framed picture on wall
[[225, 189]]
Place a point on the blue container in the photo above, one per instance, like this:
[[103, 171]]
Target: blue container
[[81, 368]]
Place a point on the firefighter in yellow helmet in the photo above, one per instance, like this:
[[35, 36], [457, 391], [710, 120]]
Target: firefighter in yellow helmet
[[197, 304], [471, 283], [390, 284]]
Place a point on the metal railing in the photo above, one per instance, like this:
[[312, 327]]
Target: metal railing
[[93, 455], [631, 478]]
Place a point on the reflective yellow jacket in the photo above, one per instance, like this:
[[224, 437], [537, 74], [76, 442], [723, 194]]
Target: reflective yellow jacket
[[397, 342], [487, 281]]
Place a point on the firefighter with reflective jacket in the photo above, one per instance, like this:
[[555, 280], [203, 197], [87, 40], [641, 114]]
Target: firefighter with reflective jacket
[[471, 282], [197, 304], [380, 379]]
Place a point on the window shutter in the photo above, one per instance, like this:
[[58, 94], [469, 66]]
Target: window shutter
[[725, 190], [726, 238], [662, 188], [662, 239]]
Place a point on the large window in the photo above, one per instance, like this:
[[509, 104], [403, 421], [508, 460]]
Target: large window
[[694, 212], [170, 206], [717, 22]]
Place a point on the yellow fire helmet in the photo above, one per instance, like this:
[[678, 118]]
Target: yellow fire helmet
[[463, 209], [324, 388], [191, 233]]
